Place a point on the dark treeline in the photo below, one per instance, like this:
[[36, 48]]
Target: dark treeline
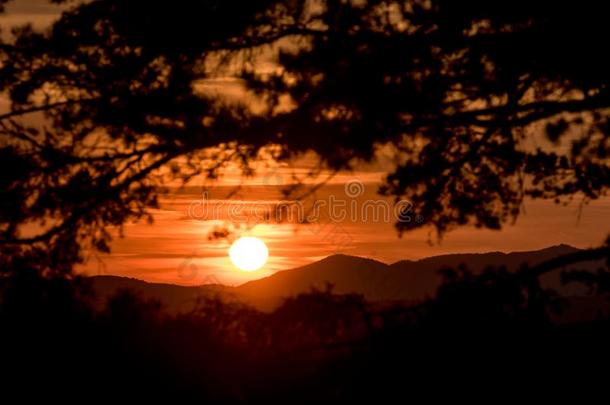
[[493, 331], [115, 101]]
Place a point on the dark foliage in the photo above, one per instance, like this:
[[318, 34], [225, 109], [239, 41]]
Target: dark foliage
[[113, 102], [118, 97], [494, 331]]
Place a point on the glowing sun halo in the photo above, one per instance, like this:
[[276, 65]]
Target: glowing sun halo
[[248, 253]]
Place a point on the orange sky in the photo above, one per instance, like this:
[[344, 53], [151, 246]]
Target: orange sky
[[176, 248]]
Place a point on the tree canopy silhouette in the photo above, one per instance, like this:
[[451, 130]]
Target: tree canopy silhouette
[[117, 99]]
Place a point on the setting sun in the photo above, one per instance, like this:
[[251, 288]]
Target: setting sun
[[248, 253]]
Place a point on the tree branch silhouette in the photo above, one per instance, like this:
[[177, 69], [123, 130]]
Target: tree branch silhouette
[[455, 91]]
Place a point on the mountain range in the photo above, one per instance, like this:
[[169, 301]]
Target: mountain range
[[405, 280]]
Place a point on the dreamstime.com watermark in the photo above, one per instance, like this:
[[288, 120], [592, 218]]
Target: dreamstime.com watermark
[[326, 218], [334, 209]]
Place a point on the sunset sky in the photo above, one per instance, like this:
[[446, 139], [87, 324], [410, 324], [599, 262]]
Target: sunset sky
[[176, 248], [302, 201]]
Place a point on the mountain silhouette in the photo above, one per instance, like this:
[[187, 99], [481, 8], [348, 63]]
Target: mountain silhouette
[[175, 298], [405, 281], [420, 278]]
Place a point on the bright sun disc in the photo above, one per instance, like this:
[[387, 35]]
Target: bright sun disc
[[248, 253]]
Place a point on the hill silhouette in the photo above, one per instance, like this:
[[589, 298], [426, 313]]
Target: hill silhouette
[[404, 281], [175, 298]]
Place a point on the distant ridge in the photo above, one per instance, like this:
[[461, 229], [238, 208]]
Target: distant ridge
[[405, 280], [174, 297]]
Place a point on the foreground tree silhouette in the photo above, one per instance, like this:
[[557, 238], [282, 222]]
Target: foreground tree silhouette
[[119, 98], [116, 99]]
